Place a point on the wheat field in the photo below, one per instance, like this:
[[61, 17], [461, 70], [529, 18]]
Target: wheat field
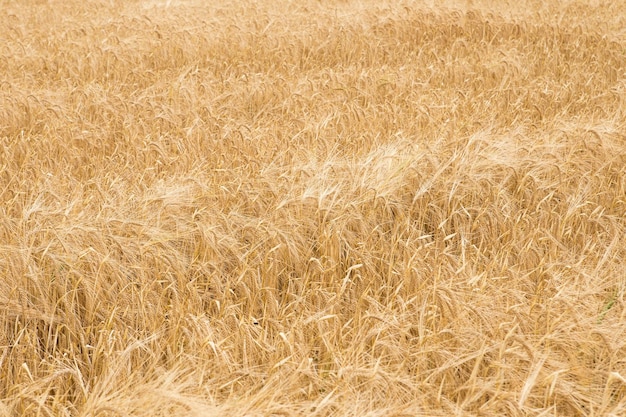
[[312, 208]]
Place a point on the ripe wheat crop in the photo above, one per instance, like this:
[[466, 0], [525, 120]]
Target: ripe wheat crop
[[312, 208]]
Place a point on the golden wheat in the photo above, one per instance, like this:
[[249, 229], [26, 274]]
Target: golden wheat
[[312, 208]]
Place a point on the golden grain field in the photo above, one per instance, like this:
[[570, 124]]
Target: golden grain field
[[312, 208]]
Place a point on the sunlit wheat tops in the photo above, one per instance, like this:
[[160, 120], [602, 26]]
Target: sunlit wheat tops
[[335, 208]]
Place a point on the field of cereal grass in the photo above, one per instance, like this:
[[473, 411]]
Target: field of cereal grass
[[312, 208]]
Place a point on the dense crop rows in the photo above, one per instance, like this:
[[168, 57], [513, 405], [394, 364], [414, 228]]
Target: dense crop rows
[[312, 208]]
